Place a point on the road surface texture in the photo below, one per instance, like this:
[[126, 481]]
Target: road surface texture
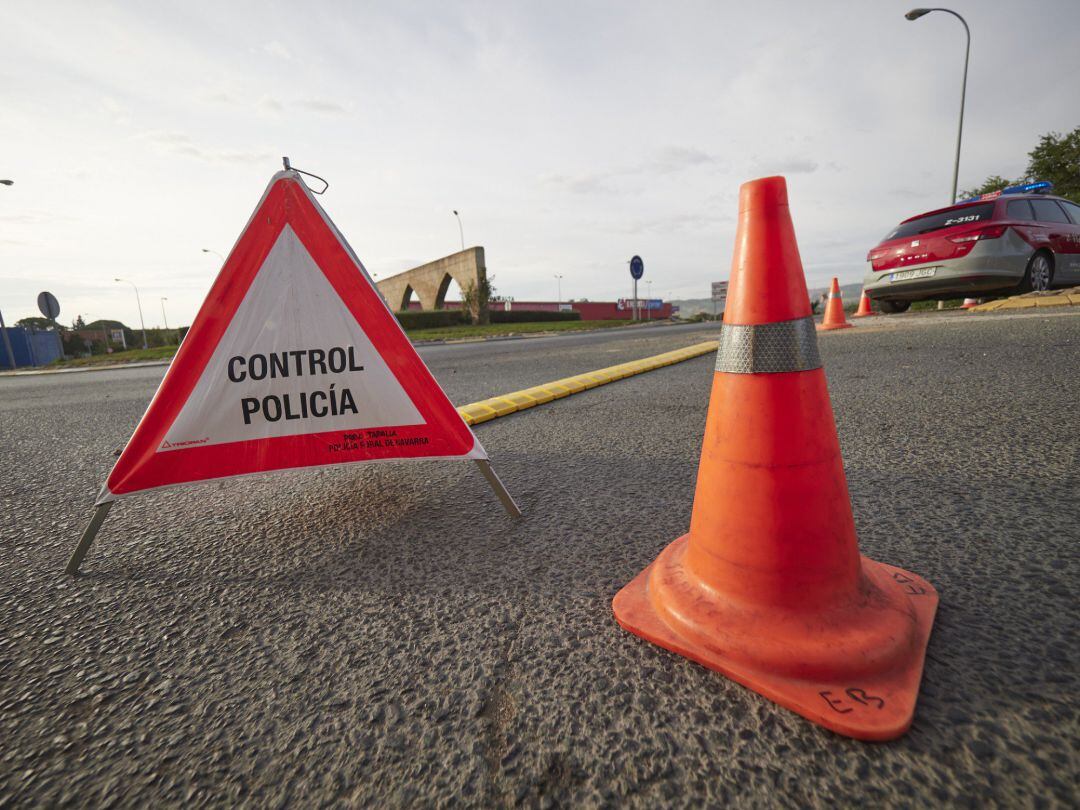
[[386, 636]]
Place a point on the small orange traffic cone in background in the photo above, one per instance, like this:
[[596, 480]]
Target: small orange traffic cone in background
[[768, 587], [834, 309], [864, 307], [969, 303]]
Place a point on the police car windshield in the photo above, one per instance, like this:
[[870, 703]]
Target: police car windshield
[[961, 215]]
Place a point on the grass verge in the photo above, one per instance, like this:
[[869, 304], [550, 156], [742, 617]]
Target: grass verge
[[445, 333], [926, 306], [118, 358]]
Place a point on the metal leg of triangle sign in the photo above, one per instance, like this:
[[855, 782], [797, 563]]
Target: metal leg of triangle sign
[[103, 509], [497, 485], [88, 537]]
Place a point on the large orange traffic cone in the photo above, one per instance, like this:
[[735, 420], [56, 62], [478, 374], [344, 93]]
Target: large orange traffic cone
[[834, 309], [768, 587], [864, 307]]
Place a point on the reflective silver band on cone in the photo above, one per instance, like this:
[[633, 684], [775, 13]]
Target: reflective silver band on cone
[[768, 348]]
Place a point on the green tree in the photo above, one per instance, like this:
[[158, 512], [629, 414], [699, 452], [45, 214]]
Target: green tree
[[36, 323], [78, 323], [994, 182], [475, 298], [74, 346], [1056, 158]]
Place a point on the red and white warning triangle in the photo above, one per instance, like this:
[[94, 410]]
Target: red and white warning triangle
[[294, 360]]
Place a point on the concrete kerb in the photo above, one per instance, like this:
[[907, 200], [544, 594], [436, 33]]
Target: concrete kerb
[[37, 372], [1055, 298]]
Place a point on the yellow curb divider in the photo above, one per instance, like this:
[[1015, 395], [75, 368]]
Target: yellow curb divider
[[1028, 301], [484, 411]]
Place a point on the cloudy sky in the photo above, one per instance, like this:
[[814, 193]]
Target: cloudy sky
[[570, 135]]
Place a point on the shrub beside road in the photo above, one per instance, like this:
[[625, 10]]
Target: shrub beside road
[[118, 358]]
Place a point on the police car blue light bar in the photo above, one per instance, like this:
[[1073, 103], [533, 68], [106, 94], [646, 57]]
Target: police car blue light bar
[[1041, 187]]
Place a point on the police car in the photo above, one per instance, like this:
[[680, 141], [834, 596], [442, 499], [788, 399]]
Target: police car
[[1019, 239]]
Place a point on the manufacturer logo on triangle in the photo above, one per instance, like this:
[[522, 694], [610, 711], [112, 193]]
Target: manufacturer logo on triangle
[[294, 360]]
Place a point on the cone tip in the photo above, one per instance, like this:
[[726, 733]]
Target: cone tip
[[765, 192], [835, 285]]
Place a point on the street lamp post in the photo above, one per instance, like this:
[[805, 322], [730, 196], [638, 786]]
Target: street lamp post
[[138, 301], [648, 298], [914, 14], [461, 230], [163, 318], [558, 281]]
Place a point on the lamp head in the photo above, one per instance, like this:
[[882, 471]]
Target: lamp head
[[7, 182], [915, 13]]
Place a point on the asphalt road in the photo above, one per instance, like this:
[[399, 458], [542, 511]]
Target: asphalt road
[[386, 636]]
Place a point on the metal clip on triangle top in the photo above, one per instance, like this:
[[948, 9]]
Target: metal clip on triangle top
[[290, 168]]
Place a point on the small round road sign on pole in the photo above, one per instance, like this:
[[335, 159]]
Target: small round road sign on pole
[[49, 306], [637, 270]]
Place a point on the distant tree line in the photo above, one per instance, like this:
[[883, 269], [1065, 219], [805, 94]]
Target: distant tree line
[[96, 337]]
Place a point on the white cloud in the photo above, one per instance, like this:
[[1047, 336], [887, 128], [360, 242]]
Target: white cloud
[[179, 143], [785, 165], [585, 183], [276, 48], [676, 158], [321, 105], [664, 161]]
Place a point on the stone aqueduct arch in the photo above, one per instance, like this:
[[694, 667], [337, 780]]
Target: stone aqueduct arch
[[430, 281]]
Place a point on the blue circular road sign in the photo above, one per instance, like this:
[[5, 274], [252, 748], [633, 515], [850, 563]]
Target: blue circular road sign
[[637, 267]]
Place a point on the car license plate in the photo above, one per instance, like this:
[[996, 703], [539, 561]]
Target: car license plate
[[904, 275]]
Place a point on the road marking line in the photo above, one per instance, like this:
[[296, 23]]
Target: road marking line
[[505, 404]]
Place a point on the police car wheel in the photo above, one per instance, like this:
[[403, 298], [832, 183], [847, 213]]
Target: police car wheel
[[893, 307], [1039, 274]]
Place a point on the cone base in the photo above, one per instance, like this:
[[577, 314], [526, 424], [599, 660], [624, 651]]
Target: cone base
[[864, 314], [876, 706], [825, 328]]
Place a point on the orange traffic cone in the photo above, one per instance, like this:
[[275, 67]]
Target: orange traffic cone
[[969, 303], [834, 310], [768, 587], [864, 307]]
